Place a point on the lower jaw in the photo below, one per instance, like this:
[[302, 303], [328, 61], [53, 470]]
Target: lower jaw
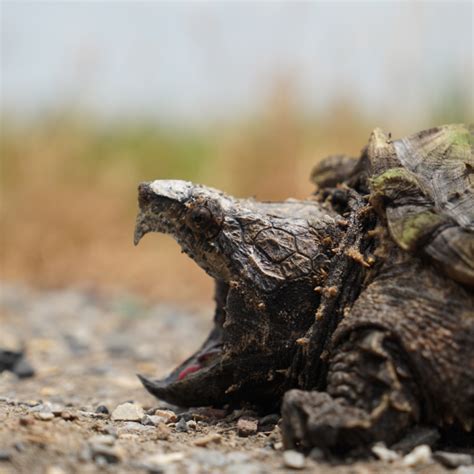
[[199, 380], [183, 387], [222, 382]]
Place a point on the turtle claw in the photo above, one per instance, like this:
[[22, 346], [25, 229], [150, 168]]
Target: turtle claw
[[315, 419]]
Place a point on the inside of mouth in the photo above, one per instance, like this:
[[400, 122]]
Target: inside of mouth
[[200, 360]]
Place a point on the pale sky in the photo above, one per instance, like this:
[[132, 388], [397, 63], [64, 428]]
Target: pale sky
[[190, 61]]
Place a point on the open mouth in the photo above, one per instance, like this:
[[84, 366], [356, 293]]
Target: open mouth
[[195, 381], [201, 360], [204, 377]]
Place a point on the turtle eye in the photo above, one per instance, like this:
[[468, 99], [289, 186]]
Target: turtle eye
[[201, 216], [203, 221]]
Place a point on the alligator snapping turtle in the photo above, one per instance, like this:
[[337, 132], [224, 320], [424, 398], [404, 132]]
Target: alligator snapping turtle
[[354, 307]]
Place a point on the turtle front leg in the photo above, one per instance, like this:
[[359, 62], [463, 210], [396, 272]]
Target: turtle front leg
[[370, 397]]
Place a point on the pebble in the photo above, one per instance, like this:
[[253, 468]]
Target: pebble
[[31, 403], [102, 409], [44, 415], [47, 407], [128, 412], [181, 426], [103, 454], [23, 369], [56, 409], [419, 456], [191, 424], [150, 420], [317, 454], [167, 416], [268, 422], [205, 440], [40, 407], [246, 427], [453, 460], [385, 454], [5, 455], [69, 415], [293, 459], [188, 415]]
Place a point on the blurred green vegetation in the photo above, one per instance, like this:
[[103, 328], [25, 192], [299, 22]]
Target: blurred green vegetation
[[68, 185], [76, 149]]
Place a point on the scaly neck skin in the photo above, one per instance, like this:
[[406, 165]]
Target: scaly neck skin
[[352, 269], [267, 259]]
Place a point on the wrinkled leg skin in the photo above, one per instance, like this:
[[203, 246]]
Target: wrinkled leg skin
[[370, 397]]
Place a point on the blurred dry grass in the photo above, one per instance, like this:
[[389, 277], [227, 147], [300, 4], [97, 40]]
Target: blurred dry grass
[[69, 190]]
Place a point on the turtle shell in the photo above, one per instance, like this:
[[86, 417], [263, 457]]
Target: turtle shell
[[424, 185]]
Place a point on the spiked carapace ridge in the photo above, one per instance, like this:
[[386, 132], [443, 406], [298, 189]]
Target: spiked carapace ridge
[[358, 302]]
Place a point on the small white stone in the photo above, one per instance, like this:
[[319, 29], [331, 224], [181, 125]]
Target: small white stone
[[293, 459], [128, 412], [44, 415], [453, 460], [420, 455], [385, 454], [246, 427]]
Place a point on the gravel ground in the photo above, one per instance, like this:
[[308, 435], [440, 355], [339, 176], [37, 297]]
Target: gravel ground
[[86, 350]]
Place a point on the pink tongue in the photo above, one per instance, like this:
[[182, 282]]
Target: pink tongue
[[188, 370]]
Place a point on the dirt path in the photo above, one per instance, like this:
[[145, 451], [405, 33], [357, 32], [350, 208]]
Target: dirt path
[[86, 351]]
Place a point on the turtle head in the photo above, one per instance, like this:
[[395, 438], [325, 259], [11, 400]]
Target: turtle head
[[266, 259], [194, 215]]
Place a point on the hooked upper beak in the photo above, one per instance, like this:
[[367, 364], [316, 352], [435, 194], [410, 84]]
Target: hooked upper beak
[[169, 193], [141, 228]]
